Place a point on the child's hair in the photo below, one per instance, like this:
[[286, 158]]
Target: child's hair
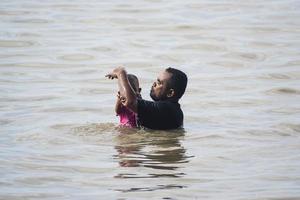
[[134, 82]]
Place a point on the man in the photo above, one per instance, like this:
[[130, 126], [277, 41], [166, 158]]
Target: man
[[164, 112]]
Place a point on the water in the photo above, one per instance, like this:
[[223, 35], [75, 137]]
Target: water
[[59, 134]]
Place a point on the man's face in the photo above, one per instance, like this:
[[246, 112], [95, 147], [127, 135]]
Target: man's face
[[159, 89]]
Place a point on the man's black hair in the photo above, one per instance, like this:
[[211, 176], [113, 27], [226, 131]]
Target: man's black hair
[[178, 81]]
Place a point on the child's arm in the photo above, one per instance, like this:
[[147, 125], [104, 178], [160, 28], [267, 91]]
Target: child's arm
[[130, 99], [118, 105]]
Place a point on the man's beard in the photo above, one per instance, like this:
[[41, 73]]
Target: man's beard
[[153, 96], [157, 98]]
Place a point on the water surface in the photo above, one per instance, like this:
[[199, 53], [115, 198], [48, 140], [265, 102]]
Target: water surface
[[60, 137]]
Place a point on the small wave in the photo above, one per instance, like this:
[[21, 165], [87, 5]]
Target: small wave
[[229, 64], [77, 57], [15, 43], [159, 187], [15, 12], [42, 138], [29, 98], [187, 27], [92, 133], [283, 91], [102, 49], [134, 10], [247, 56], [40, 65], [32, 21], [203, 47], [5, 122], [275, 76], [93, 129], [289, 128], [262, 44], [93, 91], [293, 63]]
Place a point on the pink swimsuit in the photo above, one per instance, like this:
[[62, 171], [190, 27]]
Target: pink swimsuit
[[127, 117]]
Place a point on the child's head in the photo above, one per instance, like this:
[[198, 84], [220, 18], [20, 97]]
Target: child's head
[[134, 82]]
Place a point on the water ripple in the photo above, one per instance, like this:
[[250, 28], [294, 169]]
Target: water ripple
[[287, 91], [15, 43], [276, 76], [246, 56], [158, 187], [203, 47], [77, 57], [32, 21]]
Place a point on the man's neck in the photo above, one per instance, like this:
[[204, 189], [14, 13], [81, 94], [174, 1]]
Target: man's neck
[[174, 100]]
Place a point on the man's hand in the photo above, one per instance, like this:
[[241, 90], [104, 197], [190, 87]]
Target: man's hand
[[115, 73]]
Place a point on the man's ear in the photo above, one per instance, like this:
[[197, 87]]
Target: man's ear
[[171, 93]]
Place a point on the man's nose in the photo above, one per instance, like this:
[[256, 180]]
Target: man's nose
[[154, 84]]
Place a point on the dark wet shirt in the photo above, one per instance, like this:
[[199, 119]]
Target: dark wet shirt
[[159, 115]]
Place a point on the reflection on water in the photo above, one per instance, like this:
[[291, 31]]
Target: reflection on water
[[155, 150], [158, 187], [154, 154], [151, 149]]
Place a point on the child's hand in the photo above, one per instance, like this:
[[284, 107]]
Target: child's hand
[[114, 74], [111, 76], [121, 98]]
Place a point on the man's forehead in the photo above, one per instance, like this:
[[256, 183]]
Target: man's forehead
[[164, 75]]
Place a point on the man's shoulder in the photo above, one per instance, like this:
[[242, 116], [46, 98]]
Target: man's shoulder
[[164, 103], [166, 106], [160, 114]]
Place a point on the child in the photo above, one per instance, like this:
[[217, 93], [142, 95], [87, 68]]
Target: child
[[127, 117]]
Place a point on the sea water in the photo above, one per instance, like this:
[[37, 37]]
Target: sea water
[[59, 136]]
